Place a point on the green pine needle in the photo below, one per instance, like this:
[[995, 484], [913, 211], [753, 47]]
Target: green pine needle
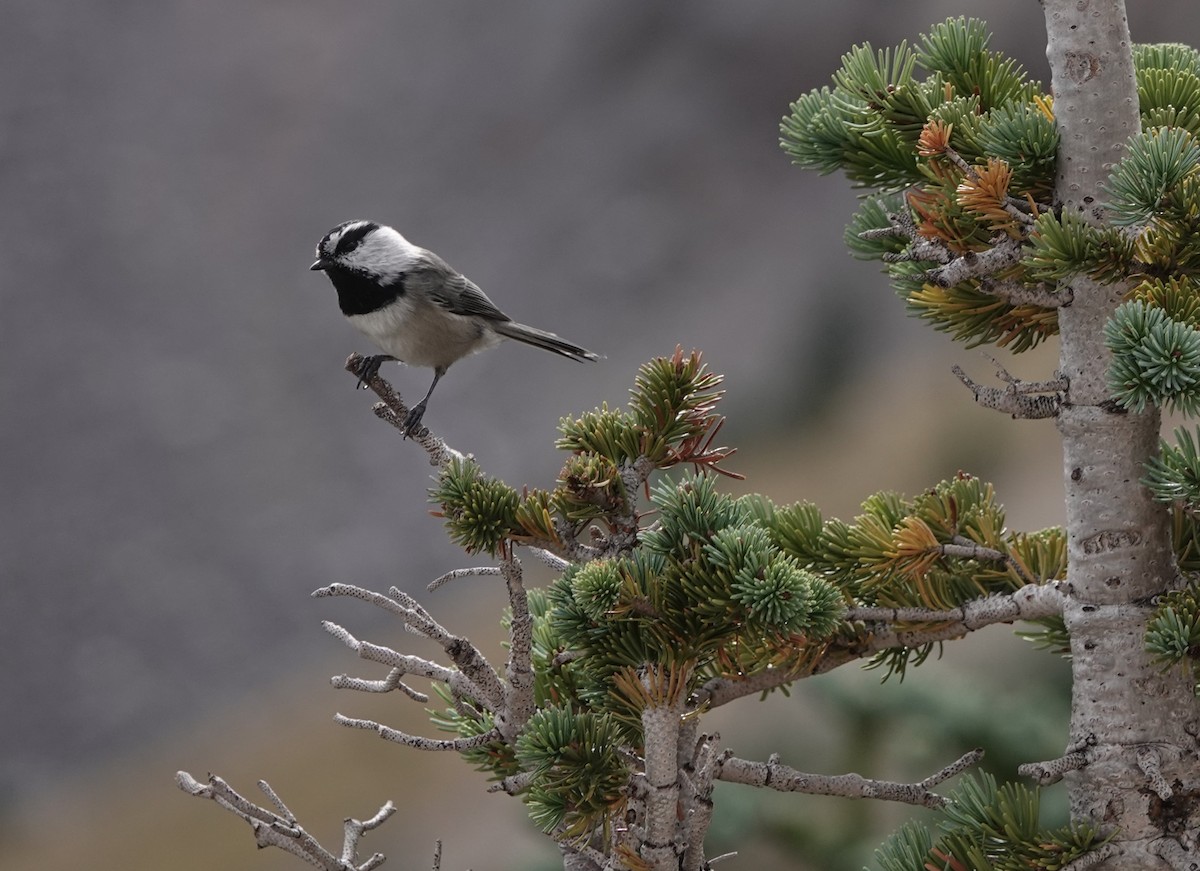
[[869, 76], [816, 133], [957, 48], [1168, 77], [1166, 56], [873, 215], [906, 850], [590, 487], [1156, 360], [1173, 633], [1067, 245], [579, 775], [1020, 134], [989, 828], [609, 433], [480, 512], [1059, 247], [1157, 161], [1160, 89], [1174, 475]]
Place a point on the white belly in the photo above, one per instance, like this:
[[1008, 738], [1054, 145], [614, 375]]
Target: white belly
[[424, 334]]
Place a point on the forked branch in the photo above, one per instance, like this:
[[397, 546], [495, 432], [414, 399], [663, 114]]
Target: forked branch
[[279, 828]]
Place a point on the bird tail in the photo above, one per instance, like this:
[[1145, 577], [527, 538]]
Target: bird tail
[[542, 339]]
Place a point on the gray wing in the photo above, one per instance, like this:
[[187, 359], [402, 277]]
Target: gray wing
[[451, 289]]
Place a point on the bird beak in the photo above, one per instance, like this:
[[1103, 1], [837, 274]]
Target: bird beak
[[320, 265]]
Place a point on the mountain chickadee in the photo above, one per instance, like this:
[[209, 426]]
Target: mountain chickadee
[[415, 306]]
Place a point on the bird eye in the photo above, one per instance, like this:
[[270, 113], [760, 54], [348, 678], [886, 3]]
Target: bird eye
[[353, 237]]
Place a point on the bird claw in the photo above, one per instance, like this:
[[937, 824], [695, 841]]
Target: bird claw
[[369, 368], [412, 421]]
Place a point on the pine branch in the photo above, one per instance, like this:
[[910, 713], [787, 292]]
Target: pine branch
[[1017, 293], [1004, 255], [519, 703], [1016, 399], [1031, 602], [1051, 771], [919, 249], [418, 742], [774, 775]]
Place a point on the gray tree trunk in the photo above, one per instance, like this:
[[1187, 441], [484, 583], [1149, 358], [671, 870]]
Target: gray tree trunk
[[1134, 724]]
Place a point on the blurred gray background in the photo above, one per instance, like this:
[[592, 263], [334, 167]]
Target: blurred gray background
[[184, 459]]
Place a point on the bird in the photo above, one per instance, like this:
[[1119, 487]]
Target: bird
[[415, 307]]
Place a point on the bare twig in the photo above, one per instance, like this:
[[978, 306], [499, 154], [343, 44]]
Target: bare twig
[[281, 829], [983, 266], [562, 658], [353, 830], [393, 410], [1031, 602], [389, 734], [1057, 384], [1016, 293], [485, 685], [1001, 256], [571, 548], [513, 784], [774, 775], [401, 664], [1015, 399], [697, 778], [964, 548], [1052, 771], [579, 856], [920, 249], [478, 572], [462, 653], [1092, 858], [551, 559], [388, 684]]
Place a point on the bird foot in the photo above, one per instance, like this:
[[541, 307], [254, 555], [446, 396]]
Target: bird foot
[[412, 422], [369, 368]]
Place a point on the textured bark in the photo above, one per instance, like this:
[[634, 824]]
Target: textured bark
[[1131, 719]]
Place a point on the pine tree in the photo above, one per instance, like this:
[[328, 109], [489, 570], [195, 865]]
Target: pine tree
[[1005, 215]]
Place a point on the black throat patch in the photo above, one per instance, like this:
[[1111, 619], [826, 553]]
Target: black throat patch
[[361, 295]]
